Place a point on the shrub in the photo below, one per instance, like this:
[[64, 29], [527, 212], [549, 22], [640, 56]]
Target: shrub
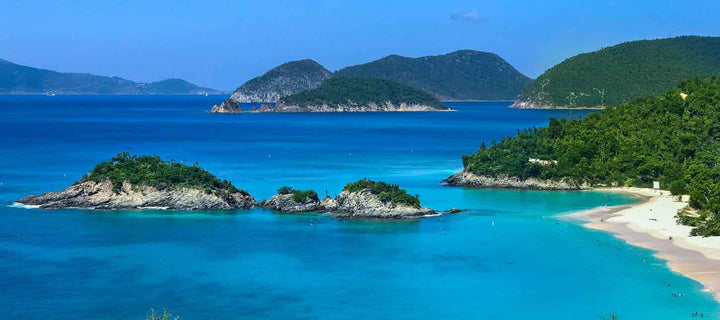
[[305, 195], [285, 190]]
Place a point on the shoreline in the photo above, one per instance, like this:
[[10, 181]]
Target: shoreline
[[650, 224]]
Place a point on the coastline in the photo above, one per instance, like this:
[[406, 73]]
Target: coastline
[[518, 104], [651, 224]]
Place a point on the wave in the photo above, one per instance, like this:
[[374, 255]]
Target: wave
[[23, 206]]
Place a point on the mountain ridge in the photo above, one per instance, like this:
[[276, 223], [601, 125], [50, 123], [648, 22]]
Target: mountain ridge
[[20, 79], [458, 75]]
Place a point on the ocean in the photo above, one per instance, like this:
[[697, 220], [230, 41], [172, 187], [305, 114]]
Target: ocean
[[510, 256]]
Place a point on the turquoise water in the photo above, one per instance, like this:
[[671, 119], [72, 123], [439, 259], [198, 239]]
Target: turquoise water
[[500, 260]]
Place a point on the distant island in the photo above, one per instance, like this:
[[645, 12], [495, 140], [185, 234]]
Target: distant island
[[145, 182], [621, 73], [348, 95], [17, 79], [673, 139], [364, 198], [459, 75]]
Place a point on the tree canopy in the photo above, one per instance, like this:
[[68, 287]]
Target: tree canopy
[[153, 171], [361, 91]]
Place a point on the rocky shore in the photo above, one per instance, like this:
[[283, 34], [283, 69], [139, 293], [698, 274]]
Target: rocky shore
[[471, 180], [230, 106], [102, 196], [521, 104], [362, 204]]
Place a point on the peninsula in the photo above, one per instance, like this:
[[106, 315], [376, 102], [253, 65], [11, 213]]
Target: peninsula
[[672, 139], [348, 95], [128, 182]]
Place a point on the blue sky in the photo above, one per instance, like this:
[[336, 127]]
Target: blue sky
[[221, 44]]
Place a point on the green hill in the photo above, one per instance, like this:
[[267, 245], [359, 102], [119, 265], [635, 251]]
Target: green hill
[[15, 78], [460, 75], [286, 79], [361, 91], [664, 138], [624, 72]]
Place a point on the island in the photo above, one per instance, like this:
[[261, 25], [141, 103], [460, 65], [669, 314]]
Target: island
[[366, 199], [128, 182], [348, 95], [618, 74]]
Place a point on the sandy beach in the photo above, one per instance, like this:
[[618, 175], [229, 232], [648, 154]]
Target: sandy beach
[[651, 224]]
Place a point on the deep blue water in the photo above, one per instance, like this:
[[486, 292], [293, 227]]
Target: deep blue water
[[72, 264]]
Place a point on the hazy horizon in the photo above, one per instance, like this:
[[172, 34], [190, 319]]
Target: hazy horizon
[[221, 44]]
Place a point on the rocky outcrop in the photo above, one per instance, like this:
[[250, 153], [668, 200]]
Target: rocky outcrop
[[101, 195], [362, 205], [229, 107], [366, 205], [520, 104], [471, 180], [286, 204]]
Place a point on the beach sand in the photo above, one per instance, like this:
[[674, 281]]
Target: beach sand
[[651, 224]]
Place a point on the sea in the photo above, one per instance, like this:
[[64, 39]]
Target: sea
[[511, 255]]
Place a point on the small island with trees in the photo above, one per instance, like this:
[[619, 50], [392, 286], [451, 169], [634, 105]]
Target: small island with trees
[[364, 198], [130, 182], [141, 182], [348, 95]]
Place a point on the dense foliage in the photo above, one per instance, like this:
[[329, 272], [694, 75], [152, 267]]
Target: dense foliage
[[286, 79], [460, 75], [361, 91], [299, 195], [385, 192], [21, 79], [665, 138], [153, 171], [627, 71]]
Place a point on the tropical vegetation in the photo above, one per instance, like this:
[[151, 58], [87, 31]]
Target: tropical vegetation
[[673, 138], [621, 73], [387, 193], [361, 91], [153, 171]]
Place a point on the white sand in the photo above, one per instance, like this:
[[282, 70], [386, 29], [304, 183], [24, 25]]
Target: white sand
[[650, 224]]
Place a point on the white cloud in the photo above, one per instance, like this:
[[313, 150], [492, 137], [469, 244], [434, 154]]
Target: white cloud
[[469, 16]]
